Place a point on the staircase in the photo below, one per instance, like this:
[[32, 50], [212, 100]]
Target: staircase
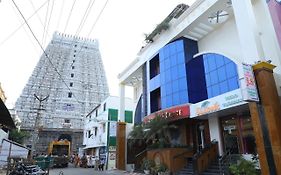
[[213, 169], [186, 170]]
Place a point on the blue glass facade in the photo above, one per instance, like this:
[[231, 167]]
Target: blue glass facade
[[220, 74], [184, 79], [173, 74]]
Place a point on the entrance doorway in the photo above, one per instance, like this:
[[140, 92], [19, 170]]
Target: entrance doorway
[[238, 135]]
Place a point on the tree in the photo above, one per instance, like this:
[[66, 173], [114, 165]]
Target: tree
[[137, 135], [18, 136], [157, 131]]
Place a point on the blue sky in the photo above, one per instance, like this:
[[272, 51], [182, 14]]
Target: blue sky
[[120, 30]]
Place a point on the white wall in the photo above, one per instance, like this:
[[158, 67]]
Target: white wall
[[215, 131]]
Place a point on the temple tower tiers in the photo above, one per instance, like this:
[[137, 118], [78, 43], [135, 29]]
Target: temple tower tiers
[[71, 75]]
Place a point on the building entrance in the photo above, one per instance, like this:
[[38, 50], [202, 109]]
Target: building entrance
[[238, 135]]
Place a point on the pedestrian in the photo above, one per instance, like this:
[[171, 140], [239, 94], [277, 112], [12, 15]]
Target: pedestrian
[[84, 161], [76, 160], [102, 162]]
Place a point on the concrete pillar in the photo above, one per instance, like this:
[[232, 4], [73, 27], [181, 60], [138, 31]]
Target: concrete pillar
[[269, 122], [121, 146], [214, 126], [122, 102], [247, 30]]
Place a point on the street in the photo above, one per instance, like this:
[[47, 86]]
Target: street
[[71, 170]]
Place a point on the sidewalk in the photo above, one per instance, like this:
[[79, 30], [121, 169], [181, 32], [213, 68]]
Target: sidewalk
[[119, 172]]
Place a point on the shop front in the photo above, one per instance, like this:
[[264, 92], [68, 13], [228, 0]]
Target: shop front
[[229, 122]]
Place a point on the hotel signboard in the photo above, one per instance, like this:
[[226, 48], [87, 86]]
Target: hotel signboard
[[221, 102], [174, 113], [249, 87]]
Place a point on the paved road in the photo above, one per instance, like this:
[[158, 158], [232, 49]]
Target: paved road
[[86, 171]]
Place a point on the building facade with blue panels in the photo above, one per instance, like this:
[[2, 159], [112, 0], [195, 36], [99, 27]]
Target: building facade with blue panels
[[177, 77]]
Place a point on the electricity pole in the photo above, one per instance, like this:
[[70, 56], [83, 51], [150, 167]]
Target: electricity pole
[[36, 124]]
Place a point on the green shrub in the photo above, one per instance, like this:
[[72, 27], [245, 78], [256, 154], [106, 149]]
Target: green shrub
[[243, 167]]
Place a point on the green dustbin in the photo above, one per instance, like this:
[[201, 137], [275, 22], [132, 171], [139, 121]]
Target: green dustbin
[[40, 161], [49, 161]]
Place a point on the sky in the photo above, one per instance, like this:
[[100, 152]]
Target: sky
[[118, 25]]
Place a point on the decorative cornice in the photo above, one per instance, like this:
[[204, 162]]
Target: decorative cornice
[[263, 65]]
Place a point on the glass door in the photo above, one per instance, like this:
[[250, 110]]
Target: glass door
[[230, 134]]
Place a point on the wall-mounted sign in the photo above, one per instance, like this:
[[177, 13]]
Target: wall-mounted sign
[[112, 128], [174, 113], [249, 87], [224, 101]]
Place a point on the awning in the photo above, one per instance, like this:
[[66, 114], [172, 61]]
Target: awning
[[5, 117]]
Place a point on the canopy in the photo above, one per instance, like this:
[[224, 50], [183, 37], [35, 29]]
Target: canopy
[[5, 117]]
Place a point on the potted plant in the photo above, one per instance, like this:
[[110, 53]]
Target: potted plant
[[243, 167], [147, 165], [161, 169]]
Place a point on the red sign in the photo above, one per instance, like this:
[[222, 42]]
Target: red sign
[[175, 113]]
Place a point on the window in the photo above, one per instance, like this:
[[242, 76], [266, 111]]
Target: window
[[72, 67], [69, 94], [96, 131], [104, 107], [96, 113], [112, 114], [129, 116], [72, 75], [71, 84], [74, 55], [66, 120]]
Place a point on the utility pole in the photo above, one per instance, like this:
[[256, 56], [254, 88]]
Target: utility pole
[[36, 124]]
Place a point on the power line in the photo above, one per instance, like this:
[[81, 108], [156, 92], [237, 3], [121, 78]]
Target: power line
[[9, 36], [92, 27], [45, 21], [48, 24], [46, 55]]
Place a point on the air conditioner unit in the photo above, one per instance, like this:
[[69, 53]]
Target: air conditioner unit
[[66, 125]]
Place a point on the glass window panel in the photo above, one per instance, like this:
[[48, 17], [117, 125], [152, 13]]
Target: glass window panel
[[180, 58], [163, 78], [223, 87], [222, 74], [176, 99], [166, 51], [169, 88], [163, 91], [216, 90], [181, 70], [169, 101], [179, 45], [183, 97], [206, 65], [174, 72], [208, 81], [168, 75], [167, 64], [209, 91], [162, 66], [161, 55], [219, 60], [175, 86], [163, 102], [182, 84], [211, 63], [214, 77], [173, 48], [233, 83], [226, 60], [231, 70], [173, 60]]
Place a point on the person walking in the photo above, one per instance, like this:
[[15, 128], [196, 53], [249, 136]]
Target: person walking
[[102, 162], [76, 160], [84, 161]]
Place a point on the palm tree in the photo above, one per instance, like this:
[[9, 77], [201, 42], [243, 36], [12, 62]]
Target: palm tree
[[157, 131], [137, 135]]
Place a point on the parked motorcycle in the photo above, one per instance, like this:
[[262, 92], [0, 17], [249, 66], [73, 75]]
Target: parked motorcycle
[[21, 169]]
